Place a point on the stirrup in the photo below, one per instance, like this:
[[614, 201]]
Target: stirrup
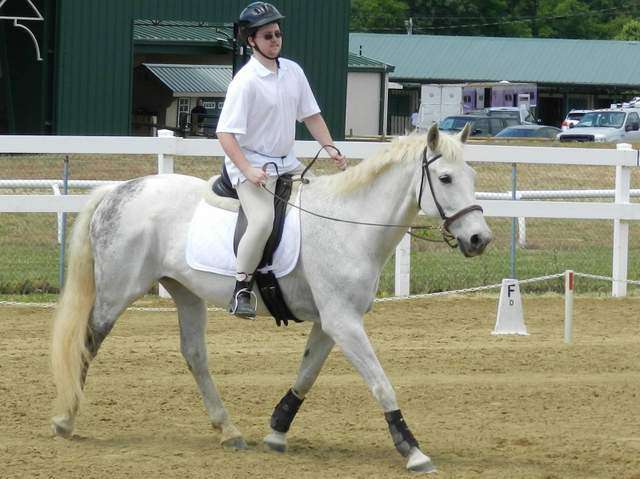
[[243, 308]]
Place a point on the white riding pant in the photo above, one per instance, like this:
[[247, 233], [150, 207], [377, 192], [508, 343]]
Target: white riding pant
[[257, 204]]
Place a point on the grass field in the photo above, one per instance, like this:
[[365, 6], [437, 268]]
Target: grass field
[[29, 252]]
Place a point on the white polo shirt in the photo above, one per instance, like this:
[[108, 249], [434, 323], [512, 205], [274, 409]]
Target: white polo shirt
[[261, 109]]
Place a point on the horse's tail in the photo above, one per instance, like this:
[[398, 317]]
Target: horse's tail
[[71, 330]]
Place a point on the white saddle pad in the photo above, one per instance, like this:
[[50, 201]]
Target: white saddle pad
[[210, 242]]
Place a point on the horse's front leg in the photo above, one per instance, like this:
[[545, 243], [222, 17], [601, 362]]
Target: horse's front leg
[[348, 332], [318, 347]]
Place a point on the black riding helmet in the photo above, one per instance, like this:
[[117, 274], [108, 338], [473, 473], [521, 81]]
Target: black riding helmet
[[257, 15]]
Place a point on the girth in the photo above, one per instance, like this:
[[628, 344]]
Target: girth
[[267, 282]]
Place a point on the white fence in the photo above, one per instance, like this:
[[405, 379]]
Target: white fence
[[621, 211]]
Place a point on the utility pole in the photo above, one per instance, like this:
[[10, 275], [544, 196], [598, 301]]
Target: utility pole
[[409, 25], [534, 24]]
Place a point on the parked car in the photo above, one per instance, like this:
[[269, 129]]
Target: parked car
[[480, 125], [521, 115], [608, 125], [530, 131], [572, 119]]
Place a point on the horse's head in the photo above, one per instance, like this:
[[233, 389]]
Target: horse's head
[[446, 189]]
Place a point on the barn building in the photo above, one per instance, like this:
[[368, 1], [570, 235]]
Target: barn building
[[580, 74], [71, 67]]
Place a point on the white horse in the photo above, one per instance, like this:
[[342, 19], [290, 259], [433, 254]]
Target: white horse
[[134, 234]]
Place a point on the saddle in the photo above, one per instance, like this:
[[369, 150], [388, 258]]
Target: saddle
[[267, 282]]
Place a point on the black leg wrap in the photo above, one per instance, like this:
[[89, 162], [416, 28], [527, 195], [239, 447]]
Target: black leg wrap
[[285, 411], [400, 433]]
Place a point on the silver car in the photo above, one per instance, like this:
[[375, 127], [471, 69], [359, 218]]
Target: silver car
[[606, 126]]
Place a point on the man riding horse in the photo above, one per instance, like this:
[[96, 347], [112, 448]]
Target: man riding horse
[[257, 127]]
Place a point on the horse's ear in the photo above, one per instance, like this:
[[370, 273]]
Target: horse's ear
[[433, 137], [464, 134]]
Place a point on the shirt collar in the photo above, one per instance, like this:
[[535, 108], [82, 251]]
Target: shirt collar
[[261, 70]]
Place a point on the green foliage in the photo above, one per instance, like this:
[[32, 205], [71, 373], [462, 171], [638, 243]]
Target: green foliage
[[630, 31], [592, 19], [376, 14]]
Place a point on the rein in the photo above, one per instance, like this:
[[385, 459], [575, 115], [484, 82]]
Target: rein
[[447, 237]]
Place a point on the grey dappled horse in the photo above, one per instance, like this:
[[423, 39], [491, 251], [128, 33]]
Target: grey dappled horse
[[134, 234]]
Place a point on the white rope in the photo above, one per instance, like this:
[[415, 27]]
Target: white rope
[[377, 300], [132, 308], [606, 278], [463, 291]]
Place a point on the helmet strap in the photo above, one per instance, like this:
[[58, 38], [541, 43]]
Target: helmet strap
[[255, 47]]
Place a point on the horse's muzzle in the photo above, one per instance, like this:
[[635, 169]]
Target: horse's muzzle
[[475, 244]]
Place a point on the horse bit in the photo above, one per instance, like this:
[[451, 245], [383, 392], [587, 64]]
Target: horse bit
[[447, 237]]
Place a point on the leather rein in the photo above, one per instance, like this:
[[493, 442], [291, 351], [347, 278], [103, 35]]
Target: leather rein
[[447, 236]]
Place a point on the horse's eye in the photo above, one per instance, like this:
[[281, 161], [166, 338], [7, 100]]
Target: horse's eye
[[446, 179]]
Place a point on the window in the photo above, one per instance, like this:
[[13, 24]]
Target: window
[[481, 127], [603, 119], [184, 105], [497, 125]]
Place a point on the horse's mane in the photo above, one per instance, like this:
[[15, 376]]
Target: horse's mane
[[399, 151]]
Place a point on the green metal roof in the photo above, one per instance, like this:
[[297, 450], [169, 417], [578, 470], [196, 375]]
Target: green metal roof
[[189, 79], [168, 32], [362, 63], [540, 60]]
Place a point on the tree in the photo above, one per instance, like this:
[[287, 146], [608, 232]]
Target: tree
[[592, 19], [630, 31], [378, 15]]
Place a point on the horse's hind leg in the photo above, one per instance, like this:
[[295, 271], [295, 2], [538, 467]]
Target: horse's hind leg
[[192, 314], [103, 317], [318, 347]]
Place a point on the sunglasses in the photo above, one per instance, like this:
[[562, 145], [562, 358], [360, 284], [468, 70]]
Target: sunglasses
[[270, 35]]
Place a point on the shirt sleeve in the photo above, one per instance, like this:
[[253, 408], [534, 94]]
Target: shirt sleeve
[[235, 112], [307, 105]]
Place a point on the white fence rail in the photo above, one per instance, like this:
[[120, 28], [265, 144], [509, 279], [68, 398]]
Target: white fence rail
[[621, 211]]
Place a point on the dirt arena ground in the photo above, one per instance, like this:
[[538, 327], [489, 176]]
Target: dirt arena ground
[[480, 405]]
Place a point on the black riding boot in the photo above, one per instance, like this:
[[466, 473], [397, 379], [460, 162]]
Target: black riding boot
[[240, 304]]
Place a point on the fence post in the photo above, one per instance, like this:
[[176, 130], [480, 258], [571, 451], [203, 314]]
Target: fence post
[[621, 229], [165, 165], [403, 267], [165, 162], [522, 231], [514, 221], [568, 306]]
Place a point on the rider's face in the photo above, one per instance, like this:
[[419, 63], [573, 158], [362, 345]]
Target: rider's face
[[269, 40]]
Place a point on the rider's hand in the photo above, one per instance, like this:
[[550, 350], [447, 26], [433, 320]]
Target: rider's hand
[[339, 159], [257, 176]]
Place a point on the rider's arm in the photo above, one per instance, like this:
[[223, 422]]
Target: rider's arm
[[318, 129], [234, 152]]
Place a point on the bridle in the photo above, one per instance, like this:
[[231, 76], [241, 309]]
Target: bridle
[[447, 237], [446, 220]]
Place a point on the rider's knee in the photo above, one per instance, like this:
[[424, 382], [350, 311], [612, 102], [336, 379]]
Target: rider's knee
[[261, 228]]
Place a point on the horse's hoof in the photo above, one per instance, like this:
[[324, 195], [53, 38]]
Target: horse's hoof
[[62, 426], [235, 443], [426, 468], [418, 462], [276, 441]]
